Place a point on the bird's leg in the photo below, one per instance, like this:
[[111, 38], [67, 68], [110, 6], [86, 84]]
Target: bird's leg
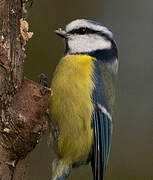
[[43, 80], [54, 125]]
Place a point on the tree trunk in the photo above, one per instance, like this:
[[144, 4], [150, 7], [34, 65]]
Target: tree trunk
[[22, 101]]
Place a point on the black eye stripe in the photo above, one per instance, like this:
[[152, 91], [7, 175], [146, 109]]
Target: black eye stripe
[[84, 30]]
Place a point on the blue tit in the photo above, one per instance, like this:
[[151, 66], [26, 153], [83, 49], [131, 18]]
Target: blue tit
[[83, 98]]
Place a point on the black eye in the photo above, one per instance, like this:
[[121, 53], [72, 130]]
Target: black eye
[[82, 31]]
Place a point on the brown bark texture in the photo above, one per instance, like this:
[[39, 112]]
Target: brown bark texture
[[22, 101]]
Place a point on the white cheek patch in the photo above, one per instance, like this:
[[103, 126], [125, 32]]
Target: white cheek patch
[[87, 43]]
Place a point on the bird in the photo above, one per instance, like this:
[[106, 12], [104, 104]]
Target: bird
[[83, 87]]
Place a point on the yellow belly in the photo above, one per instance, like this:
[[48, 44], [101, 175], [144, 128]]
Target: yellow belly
[[71, 106]]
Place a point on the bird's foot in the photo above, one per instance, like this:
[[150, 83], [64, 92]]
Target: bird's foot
[[43, 80]]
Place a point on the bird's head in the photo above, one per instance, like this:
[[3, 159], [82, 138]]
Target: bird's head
[[90, 37]]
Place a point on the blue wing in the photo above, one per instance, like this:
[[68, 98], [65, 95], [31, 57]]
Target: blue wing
[[102, 127]]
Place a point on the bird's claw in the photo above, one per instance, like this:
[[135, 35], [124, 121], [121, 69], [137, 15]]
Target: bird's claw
[[43, 80], [56, 132]]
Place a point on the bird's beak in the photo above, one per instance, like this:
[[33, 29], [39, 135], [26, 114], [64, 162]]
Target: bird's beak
[[61, 32]]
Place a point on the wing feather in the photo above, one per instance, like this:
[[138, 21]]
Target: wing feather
[[102, 127]]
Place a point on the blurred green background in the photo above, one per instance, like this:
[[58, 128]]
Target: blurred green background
[[132, 24]]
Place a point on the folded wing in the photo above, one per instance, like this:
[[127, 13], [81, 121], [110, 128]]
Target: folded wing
[[102, 127]]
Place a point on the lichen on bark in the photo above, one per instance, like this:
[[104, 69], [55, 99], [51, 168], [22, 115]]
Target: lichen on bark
[[22, 101]]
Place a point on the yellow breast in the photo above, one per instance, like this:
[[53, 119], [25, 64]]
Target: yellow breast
[[72, 107]]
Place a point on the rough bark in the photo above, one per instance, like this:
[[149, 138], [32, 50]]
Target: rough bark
[[22, 101]]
